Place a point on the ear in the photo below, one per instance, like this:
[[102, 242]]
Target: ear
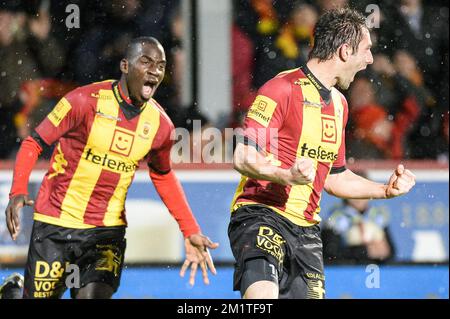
[[124, 66], [344, 52]]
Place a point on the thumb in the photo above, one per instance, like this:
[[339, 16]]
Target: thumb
[[400, 170], [29, 202], [211, 245], [392, 178]]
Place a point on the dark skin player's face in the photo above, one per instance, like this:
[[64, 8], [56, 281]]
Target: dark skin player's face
[[143, 72]]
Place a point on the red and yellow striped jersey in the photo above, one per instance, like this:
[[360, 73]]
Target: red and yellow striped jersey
[[100, 141], [289, 119]]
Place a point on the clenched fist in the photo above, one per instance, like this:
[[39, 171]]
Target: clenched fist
[[400, 182], [302, 172]]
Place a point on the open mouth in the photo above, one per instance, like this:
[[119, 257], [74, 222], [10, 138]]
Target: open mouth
[[148, 89]]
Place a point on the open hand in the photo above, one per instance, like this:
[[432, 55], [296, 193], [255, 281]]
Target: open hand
[[13, 213], [197, 253]]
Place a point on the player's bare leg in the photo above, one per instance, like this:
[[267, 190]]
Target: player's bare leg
[[263, 289], [95, 290]]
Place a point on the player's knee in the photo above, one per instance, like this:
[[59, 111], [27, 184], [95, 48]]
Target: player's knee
[[262, 290], [259, 280], [95, 290]]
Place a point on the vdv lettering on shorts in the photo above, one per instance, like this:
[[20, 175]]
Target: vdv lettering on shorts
[[271, 242], [46, 278]]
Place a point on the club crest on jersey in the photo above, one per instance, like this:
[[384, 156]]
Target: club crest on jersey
[[122, 142], [329, 132], [145, 132]]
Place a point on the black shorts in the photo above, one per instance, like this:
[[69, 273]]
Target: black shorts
[[256, 231], [61, 258]]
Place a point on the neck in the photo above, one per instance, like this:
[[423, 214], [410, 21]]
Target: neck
[[123, 89], [323, 71]]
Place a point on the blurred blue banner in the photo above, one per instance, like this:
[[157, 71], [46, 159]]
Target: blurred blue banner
[[419, 221]]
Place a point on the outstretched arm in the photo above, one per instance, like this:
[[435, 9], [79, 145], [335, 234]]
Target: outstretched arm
[[67, 114], [26, 159], [349, 185]]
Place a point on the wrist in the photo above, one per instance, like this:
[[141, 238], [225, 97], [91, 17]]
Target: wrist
[[19, 188], [282, 176], [385, 189], [13, 195], [191, 232]]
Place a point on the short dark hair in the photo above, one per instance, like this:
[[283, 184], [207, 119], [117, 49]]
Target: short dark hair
[[334, 28], [134, 44]]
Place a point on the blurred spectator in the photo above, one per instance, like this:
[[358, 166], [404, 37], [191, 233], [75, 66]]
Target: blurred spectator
[[169, 94], [356, 233], [402, 92], [38, 98], [420, 30], [376, 130], [371, 130], [176, 52], [27, 51], [325, 5], [289, 48], [103, 46], [242, 57], [420, 145], [257, 18], [256, 21]]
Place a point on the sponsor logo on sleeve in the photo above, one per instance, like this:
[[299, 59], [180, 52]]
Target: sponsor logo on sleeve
[[262, 110], [59, 112]]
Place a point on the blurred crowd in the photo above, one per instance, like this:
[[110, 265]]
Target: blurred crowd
[[399, 105], [41, 59]]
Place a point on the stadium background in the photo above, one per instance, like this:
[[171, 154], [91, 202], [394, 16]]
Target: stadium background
[[219, 53]]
